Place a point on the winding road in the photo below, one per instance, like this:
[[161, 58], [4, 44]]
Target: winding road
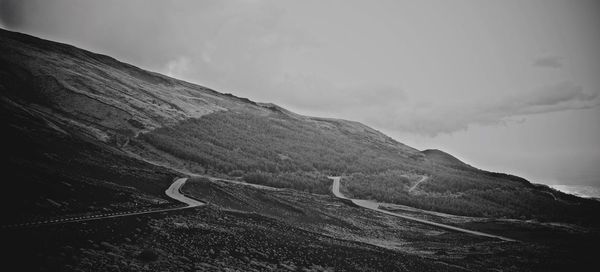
[[372, 205], [174, 192], [423, 179]]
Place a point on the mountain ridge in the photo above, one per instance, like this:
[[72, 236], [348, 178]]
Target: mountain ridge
[[127, 110], [198, 100]]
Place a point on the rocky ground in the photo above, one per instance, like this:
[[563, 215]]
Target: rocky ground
[[252, 229]]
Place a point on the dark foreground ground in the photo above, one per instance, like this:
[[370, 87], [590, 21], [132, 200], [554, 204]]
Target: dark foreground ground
[[250, 229]]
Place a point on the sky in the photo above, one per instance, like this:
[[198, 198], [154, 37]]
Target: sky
[[507, 86]]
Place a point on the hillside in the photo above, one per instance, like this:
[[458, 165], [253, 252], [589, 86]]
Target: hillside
[[446, 159], [88, 103], [86, 134], [264, 229]]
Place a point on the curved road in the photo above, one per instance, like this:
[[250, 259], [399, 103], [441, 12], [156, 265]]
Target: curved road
[[173, 192], [423, 179], [372, 205]]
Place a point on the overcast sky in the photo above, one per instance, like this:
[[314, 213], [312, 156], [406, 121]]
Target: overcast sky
[[509, 86]]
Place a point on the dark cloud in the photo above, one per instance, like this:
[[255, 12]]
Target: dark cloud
[[233, 46], [548, 62], [241, 46], [557, 94], [129, 30], [10, 13], [316, 94], [436, 118]]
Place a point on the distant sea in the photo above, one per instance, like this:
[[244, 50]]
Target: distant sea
[[579, 190]]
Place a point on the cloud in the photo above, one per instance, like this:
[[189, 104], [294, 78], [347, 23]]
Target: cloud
[[564, 94], [241, 47], [9, 13], [178, 68], [433, 119], [548, 62], [234, 46], [315, 94]]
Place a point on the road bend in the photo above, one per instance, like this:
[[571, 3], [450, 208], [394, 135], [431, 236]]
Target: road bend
[[174, 192], [372, 205]]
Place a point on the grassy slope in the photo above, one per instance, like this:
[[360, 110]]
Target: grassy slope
[[227, 141], [48, 172], [51, 166], [278, 145], [248, 228], [188, 126]]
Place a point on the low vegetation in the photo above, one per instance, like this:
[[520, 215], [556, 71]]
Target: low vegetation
[[252, 229], [281, 151], [312, 182], [68, 125], [466, 193], [230, 141]]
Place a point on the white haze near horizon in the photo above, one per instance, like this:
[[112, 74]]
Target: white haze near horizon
[[508, 86], [580, 190]]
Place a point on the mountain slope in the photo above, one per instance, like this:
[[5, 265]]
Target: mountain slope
[[132, 116], [444, 158]]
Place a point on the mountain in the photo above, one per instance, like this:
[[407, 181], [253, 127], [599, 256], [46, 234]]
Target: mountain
[[87, 135], [62, 105], [444, 158]]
